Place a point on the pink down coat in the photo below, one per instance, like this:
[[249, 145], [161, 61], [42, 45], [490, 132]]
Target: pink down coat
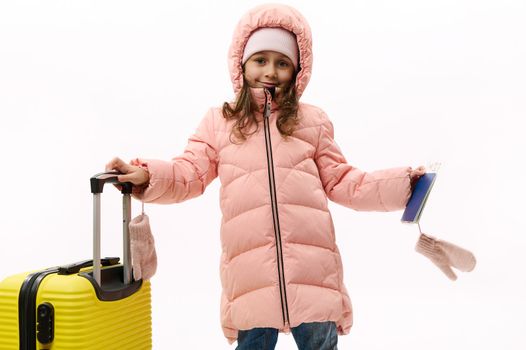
[[280, 265]]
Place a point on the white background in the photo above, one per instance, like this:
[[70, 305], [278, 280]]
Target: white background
[[404, 82]]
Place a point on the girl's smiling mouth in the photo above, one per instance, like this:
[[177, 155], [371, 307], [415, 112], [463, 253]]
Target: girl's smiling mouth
[[268, 85]]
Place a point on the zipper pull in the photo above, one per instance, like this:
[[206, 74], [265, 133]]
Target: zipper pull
[[286, 329], [269, 93]]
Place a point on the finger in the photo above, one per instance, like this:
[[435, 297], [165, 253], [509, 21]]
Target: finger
[[131, 177], [113, 164], [119, 165], [418, 171]]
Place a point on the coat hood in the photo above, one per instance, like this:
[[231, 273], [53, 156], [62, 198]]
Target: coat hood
[[272, 15]]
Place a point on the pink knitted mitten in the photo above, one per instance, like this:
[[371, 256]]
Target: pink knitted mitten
[[143, 255], [445, 255]]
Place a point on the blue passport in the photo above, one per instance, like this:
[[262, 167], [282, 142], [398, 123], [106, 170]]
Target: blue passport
[[418, 199]]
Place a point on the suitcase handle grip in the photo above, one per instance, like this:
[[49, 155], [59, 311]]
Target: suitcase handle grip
[[98, 181], [75, 267]]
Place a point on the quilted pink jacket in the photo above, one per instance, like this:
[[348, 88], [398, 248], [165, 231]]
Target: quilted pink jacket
[[280, 265]]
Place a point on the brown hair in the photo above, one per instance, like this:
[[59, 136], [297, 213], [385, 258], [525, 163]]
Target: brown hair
[[244, 108]]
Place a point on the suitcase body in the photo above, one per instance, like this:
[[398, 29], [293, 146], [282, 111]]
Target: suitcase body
[[75, 307], [81, 320]]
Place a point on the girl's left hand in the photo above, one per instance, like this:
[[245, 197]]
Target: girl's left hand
[[421, 170], [415, 174]]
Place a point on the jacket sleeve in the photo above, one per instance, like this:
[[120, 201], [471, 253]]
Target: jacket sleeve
[[185, 176], [382, 190]]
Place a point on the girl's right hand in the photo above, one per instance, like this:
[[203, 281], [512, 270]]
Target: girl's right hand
[[134, 174]]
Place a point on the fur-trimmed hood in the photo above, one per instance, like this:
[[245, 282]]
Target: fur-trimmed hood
[[272, 15]]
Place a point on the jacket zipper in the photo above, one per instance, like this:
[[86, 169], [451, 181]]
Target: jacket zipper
[[274, 202]]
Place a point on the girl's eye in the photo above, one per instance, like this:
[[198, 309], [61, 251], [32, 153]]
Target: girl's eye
[[260, 60], [283, 64]]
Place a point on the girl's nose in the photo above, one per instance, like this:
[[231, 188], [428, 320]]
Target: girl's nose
[[270, 71]]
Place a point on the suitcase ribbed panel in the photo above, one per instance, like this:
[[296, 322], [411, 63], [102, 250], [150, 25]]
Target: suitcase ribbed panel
[[82, 321], [9, 290]]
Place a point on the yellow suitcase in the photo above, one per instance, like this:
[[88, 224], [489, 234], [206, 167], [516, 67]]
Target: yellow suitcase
[[81, 306]]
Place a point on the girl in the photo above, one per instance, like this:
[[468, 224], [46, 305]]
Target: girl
[[278, 163]]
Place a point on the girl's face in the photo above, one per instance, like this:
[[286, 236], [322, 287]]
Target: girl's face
[[268, 69]]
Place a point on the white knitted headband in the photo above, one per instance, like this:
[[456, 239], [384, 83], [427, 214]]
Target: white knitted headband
[[272, 39]]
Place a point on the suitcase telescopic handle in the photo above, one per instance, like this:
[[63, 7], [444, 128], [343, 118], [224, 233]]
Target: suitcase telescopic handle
[[97, 185]]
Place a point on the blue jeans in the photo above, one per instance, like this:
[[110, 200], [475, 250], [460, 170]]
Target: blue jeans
[[308, 336]]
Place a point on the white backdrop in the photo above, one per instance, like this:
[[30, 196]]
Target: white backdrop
[[405, 83]]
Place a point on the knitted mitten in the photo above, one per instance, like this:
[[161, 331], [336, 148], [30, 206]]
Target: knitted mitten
[[445, 255], [142, 246]]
